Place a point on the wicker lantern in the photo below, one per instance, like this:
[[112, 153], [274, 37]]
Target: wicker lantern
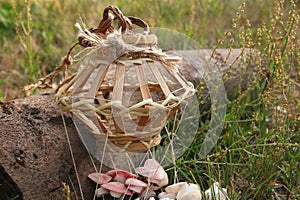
[[125, 88]]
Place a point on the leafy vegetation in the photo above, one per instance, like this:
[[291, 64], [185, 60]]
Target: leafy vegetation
[[258, 154]]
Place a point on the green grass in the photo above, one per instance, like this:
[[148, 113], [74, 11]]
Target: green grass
[[259, 148]]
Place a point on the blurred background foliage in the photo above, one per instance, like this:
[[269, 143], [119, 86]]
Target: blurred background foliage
[[36, 34]]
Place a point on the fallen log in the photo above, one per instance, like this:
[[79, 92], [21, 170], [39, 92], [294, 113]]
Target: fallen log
[[35, 158]]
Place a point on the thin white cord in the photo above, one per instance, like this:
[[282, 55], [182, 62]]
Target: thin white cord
[[71, 152], [93, 163]]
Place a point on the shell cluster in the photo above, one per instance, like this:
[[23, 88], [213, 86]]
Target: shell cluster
[[189, 191], [146, 180]]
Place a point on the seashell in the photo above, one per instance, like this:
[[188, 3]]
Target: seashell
[[116, 189], [188, 192], [154, 172], [164, 196], [99, 178], [135, 185], [173, 189], [100, 192]]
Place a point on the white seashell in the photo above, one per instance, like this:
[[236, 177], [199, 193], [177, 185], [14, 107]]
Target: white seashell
[[216, 192], [154, 172], [173, 189], [160, 183], [189, 192], [193, 194], [187, 187], [164, 195]]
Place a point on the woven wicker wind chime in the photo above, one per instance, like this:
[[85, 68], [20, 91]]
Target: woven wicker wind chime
[[125, 88]]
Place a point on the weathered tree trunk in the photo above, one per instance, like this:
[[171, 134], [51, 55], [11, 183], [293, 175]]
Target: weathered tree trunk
[[35, 158], [34, 148]]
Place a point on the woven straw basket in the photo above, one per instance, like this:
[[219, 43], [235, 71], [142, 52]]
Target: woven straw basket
[[126, 88]]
